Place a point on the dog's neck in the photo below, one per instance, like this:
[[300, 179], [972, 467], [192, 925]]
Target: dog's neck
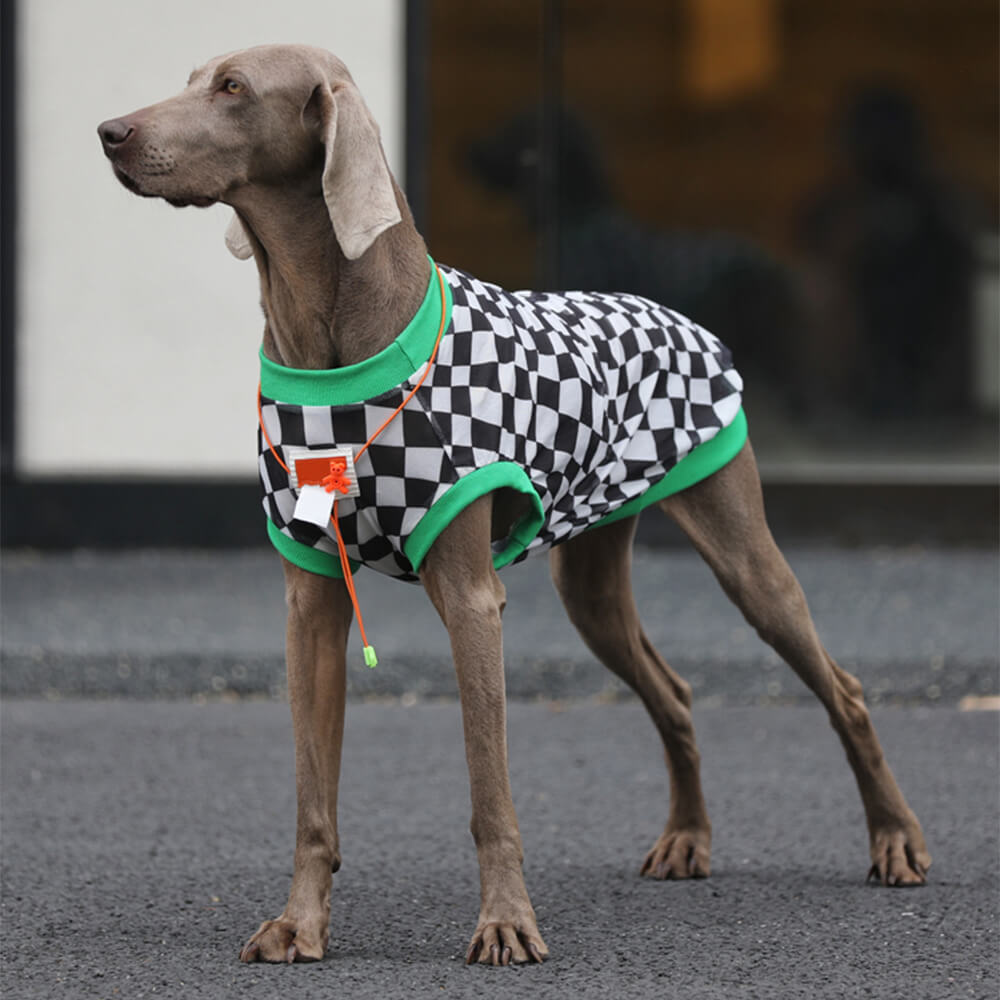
[[321, 309]]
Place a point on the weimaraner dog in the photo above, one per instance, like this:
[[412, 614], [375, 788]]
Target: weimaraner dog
[[282, 135]]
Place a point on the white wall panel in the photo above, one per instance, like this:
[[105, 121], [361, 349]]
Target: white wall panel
[[137, 331]]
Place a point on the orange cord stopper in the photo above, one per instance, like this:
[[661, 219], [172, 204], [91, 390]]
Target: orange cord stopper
[[337, 478]]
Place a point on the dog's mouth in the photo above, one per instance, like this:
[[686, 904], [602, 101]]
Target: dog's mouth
[[129, 182], [191, 202]]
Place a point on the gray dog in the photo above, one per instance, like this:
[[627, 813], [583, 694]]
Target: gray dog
[[473, 426]]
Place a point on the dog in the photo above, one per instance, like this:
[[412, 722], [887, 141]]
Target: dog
[[282, 135]]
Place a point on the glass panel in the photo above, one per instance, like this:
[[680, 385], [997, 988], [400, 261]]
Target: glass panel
[[485, 81], [814, 182]]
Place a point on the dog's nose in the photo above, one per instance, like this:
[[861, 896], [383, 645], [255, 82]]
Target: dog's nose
[[113, 133]]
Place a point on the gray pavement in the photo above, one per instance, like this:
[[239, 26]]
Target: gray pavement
[[915, 624], [144, 841]]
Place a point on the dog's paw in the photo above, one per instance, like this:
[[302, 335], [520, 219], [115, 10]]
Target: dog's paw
[[285, 940], [680, 854], [899, 856], [501, 943]]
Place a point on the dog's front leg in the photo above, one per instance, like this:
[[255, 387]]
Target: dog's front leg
[[319, 617], [459, 577]]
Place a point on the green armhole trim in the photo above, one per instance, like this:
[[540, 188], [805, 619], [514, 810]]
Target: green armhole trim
[[471, 487], [692, 468], [305, 556], [358, 383]]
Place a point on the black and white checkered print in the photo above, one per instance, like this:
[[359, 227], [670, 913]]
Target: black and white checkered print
[[596, 397]]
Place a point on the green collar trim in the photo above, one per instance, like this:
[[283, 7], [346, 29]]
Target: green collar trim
[[367, 379]]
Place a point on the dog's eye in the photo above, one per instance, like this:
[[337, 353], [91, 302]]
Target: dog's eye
[[232, 86]]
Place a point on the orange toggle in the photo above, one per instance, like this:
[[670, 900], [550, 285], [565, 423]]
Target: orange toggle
[[337, 478]]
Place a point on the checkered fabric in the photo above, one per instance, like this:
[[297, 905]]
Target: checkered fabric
[[581, 401]]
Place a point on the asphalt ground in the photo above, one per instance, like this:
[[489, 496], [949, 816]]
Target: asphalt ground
[[915, 624], [147, 812], [143, 842]]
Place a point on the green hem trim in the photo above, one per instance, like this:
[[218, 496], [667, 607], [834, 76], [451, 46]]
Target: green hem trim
[[471, 487], [697, 465], [305, 556], [706, 459], [367, 379]]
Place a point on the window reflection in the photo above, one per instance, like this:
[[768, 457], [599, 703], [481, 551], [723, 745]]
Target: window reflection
[[855, 279]]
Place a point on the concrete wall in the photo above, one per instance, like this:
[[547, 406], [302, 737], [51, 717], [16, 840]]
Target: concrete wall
[[137, 331]]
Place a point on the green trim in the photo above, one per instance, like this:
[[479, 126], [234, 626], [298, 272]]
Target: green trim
[[471, 487], [692, 468], [305, 556], [370, 378]]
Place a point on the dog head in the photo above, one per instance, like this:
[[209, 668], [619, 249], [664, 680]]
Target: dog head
[[286, 115]]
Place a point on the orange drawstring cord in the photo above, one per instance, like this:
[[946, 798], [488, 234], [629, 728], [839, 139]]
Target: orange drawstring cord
[[430, 361], [345, 564], [267, 437], [371, 659]]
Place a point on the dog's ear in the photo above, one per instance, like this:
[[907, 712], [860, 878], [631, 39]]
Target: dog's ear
[[357, 185], [237, 240]]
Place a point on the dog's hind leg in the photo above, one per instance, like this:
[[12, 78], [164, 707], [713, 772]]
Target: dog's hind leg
[[724, 518], [592, 573]]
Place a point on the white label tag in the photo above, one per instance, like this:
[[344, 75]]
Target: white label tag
[[314, 505]]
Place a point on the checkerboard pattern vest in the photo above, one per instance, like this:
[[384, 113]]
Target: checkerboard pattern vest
[[590, 405]]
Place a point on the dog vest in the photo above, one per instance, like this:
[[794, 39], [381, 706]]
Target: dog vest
[[592, 406]]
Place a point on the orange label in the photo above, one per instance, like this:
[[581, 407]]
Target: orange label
[[312, 471]]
